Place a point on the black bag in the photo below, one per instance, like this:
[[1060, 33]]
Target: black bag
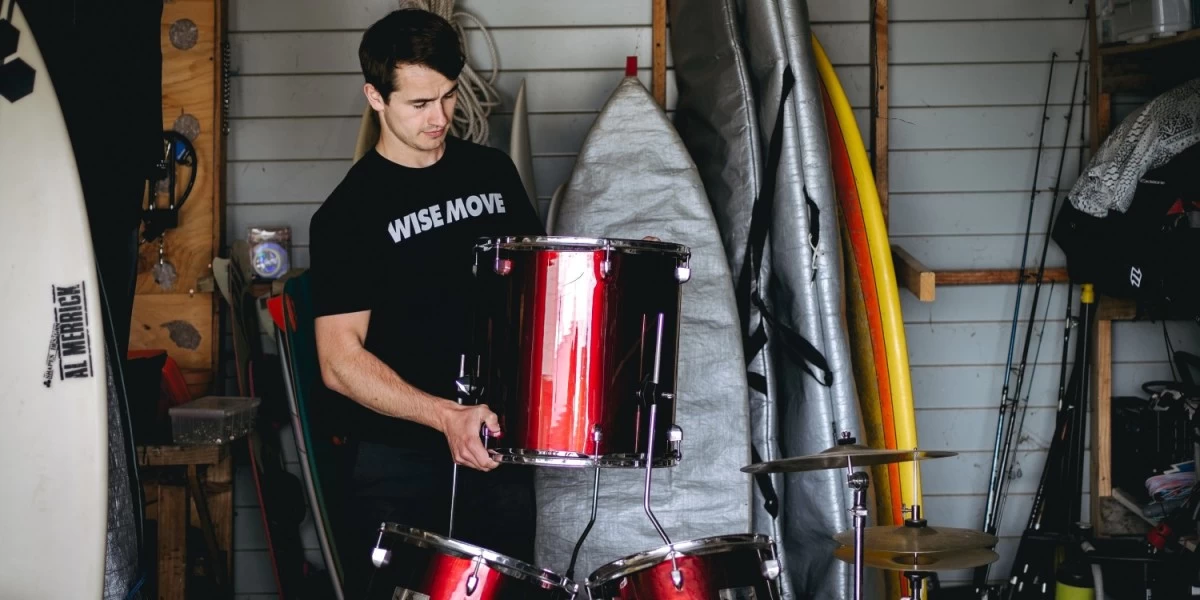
[[1151, 253]]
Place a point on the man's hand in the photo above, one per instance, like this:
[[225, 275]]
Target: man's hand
[[461, 425]]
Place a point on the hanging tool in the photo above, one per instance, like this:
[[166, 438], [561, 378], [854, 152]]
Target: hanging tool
[[177, 150]]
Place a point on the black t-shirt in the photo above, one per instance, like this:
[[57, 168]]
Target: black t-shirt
[[399, 241]]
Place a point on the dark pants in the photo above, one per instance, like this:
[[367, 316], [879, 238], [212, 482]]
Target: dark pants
[[411, 488]]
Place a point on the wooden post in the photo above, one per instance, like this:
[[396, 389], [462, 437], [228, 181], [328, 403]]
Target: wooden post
[[182, 319], [659, 60], [879, 100]]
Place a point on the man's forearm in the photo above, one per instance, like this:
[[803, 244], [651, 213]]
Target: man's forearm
[[362, 377]]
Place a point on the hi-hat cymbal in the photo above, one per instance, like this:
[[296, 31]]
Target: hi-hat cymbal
[[845, 455], [918, 539], [929, 561]]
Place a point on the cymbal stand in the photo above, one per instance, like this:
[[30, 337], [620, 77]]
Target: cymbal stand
[[916, 580], [595, 503], [650, 396], [858, 481]]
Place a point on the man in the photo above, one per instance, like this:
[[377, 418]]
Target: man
[[392, 250]]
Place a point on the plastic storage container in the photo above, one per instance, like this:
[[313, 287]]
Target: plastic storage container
[[1137, 21], [213, 419]]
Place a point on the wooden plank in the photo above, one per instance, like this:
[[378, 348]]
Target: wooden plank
[[949, 254], [913, 275], [172, 542], [340, 95], [910, 86], [165, 456], [219, 569], [178, 323], [1101, 400], [986, 343], [999, 276], [979, 127], [521, 49], [975, 213], [880, 102], [967, 428], [974, 386], [189, 88], [301, 15], [930, 42], [967, 303], [1182, 42], [963, 10], [219, 154], [1005, 170], [659, 58]]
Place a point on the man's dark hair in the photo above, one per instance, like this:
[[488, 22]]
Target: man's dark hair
[[409, 37]]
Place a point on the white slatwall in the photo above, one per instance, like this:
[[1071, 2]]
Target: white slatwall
[[967, 82]]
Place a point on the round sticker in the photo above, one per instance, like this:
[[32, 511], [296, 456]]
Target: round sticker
[[270, 260]]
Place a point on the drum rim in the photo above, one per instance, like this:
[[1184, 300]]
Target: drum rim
[[582, 243], [507, 565], [641, 561]]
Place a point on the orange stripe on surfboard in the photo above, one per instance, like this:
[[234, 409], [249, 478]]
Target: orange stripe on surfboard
[[847, 192]]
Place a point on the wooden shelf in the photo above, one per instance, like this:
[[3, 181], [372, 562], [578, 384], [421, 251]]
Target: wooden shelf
[[1178, 39], [923, 281]]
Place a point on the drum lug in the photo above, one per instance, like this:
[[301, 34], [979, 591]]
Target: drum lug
[[606, 264], [502, 266], [675, 439], [770, 568], [381, 557], [683, 272]]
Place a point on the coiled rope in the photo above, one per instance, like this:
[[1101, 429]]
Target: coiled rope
[[476, 96]]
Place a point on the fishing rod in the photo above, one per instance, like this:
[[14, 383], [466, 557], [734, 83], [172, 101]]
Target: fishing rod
[[1003, 501], [999, 481], [1012, 339]]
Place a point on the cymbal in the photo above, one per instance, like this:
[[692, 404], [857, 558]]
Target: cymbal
[[846, 455], [910, 539], [929, 561]]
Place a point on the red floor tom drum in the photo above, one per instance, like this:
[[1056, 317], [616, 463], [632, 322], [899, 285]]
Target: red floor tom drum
[[570, 336]]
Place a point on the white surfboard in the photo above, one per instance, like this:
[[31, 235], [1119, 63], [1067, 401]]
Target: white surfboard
[[519, 147], [53, 392]]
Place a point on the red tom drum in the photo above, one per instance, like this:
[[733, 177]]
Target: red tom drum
[[413, 564], [732, 567], [571, 337]]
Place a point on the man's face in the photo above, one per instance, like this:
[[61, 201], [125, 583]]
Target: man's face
[[419, 110]]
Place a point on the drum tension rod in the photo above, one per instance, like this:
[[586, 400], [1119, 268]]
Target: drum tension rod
[[651, 396]]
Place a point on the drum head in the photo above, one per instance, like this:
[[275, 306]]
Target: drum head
[[498, 562], [583, 244], [624, 567]]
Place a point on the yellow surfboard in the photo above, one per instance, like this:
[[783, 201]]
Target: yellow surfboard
[[880, 348]]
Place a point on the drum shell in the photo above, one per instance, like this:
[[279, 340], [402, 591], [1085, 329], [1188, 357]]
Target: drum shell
[[415, 565], [723, 568], [565, 339]]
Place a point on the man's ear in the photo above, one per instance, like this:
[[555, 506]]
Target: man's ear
[[374, 98]]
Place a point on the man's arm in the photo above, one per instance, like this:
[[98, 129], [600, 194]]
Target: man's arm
[[350, 370]]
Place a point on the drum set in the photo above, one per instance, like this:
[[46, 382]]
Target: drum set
[[575, 347]]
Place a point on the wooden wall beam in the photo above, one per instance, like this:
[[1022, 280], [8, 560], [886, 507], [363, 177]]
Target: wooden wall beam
[[658, 81], [180, 318], [879, 100]]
